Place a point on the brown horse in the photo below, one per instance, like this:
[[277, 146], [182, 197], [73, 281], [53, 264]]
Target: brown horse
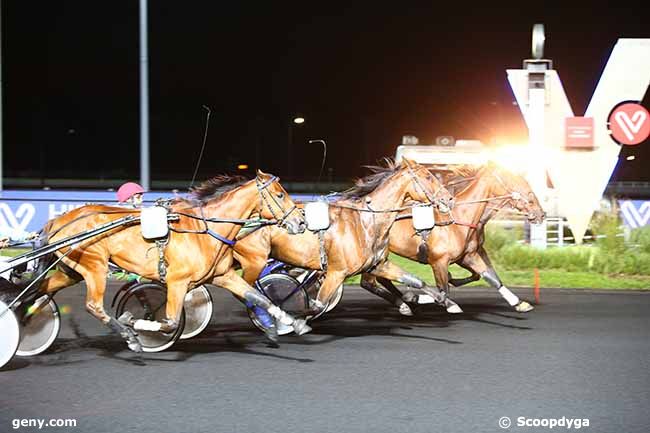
[[484, 190], [357, 239], [197, 249]]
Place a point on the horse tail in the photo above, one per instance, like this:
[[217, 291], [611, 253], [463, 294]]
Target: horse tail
[[42, 263]]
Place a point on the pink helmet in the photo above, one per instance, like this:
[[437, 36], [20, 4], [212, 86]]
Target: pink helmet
[[128, 190]]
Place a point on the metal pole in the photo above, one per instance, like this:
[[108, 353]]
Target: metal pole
[[1, 160], [289, 147], [144, 98]]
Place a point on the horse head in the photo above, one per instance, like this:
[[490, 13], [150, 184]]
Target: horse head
[[275, 203], [521, 196], [425, 187]]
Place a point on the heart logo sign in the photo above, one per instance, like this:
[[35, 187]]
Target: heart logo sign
[[629, 123], [18, 220]]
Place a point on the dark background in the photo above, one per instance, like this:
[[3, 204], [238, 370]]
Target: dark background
[[362, 75]]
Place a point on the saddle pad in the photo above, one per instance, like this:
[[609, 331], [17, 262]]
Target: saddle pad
[[423, 218], [317, 215], [153, 222]]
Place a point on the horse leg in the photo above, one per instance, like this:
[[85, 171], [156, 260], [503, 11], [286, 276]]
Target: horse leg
[[252, 267], [57, 281], [388, 292], [96, 286], [480, 263], [369, 282], [393, 272], [176, 291], [238, 286], [457, 282], [333, 279]]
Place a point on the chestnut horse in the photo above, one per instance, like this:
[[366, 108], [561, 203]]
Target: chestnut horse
[[357, 238], [484, 190], [197, 249]]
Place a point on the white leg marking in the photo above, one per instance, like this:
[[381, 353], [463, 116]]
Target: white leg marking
[[146, 325], [283, 317], [426, 299], [510, 297]]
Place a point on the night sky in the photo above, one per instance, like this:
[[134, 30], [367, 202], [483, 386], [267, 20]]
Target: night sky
[[362, 76]]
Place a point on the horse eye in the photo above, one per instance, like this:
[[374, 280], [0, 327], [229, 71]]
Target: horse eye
[[280, 195]]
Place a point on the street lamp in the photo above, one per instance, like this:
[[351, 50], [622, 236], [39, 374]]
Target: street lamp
[[295, 120]]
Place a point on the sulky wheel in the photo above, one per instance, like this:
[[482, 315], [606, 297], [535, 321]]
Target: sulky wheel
[[283, 290], [198, 311], [40, 324], [336, 298], [148, 301], [9, 334]]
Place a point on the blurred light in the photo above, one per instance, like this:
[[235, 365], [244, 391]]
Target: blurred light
[[242, 167], [514, 157], [631, 158], [299, 120]]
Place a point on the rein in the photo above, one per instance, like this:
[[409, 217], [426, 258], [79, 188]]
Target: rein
[[371, 210], [261, 187], [416, 181], [512, 195]]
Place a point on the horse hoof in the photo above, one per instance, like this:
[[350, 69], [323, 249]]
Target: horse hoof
[[452, 307], [126, 318], [410, 297], [405, 310], [135, 346], [272, 334], [301, 327], [524, 307]]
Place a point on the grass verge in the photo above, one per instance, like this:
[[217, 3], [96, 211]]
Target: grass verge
[[548, 277]]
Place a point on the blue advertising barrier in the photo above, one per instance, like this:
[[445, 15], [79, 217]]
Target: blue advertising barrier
[[29, 210], [636, 213]]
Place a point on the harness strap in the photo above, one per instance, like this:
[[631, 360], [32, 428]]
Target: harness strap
[[162, 263], [470, 225], [423, 248], [217, 236], [323, 251]]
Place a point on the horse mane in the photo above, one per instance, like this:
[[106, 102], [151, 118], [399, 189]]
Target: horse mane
[[216, 187], [365, 185], [466, 170], [457, 178]]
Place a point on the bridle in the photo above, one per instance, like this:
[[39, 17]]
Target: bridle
[[512, 196], [264, 200], [431, 198]]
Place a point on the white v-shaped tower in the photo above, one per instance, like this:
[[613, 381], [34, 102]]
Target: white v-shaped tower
[[581, 176]]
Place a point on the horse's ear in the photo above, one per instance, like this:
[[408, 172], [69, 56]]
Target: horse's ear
[[260, 173]]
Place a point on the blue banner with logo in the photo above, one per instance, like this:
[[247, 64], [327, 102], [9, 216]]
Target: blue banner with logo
[[29, 210], [636, 213]]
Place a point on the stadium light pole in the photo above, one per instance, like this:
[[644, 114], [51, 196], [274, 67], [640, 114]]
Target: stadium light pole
[[144, 99], [295, 120]]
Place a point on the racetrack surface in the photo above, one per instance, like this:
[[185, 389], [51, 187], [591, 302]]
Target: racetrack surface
[[364, 368]]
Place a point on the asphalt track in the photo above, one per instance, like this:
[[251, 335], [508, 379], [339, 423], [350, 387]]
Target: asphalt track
[[365, 368]]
